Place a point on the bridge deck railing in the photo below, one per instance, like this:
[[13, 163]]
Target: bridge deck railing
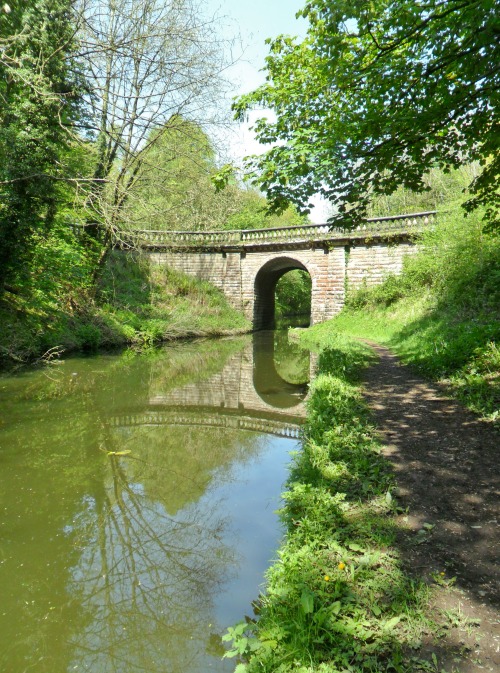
[[410, 223]]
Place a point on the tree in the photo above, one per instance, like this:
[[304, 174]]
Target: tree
[[441, 190], [173, 189], [39, 93], [376, 95], [150, 64]]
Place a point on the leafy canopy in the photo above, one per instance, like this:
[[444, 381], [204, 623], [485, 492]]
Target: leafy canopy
[[173, 189], [39, 96], [377, 94]]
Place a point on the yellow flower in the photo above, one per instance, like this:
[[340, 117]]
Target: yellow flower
[[326, 578], [341, 566]]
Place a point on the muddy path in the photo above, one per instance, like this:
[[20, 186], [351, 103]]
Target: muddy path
[[446, 463]]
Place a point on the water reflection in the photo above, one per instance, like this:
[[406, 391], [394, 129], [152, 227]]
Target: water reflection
[[281, 371], [138, 496]]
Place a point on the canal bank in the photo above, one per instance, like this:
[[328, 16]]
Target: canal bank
[[345, 594]]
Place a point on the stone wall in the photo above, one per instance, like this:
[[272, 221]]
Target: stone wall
[[221, 269], [369, 263]]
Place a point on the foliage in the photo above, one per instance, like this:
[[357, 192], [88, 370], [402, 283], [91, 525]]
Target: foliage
[[158, 304], [293, 294], [441, 314], [146, 63], [442, 191], [134, 306], [174, 188], [55, 290], [251, 211], [337, 598], [376, 95], [39, 93]]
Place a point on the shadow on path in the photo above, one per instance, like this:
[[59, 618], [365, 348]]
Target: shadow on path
[[446, 465]]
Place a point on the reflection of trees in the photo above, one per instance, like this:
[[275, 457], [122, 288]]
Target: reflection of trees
[[292, 362], [145, 579], [126, 554], [191, 460], [272, 354]]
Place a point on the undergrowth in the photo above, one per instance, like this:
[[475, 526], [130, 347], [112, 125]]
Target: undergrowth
[[55, 308], [441, 315], [337, 597]]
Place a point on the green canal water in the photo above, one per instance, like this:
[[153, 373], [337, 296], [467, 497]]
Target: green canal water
[[137, 502]]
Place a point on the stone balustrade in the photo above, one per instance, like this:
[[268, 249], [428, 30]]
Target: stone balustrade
[[239, 239], [289, 429]]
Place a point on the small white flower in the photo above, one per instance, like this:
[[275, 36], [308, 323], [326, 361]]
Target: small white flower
[[6, 8]]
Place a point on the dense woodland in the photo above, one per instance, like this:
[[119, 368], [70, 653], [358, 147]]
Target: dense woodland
[[110, 116]]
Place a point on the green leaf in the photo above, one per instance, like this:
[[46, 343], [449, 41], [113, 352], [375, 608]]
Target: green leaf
[[335, 607], [307, 601], [355, 547], [391, 623]]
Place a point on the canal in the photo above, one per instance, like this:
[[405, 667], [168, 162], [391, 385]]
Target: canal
[[138, 498]]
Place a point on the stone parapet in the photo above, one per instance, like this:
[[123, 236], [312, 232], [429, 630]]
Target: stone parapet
[[298, 236]]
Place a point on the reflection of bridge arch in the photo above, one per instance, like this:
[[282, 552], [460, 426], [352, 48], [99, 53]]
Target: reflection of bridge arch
[[265, 286], [241, 386], [268, 384]]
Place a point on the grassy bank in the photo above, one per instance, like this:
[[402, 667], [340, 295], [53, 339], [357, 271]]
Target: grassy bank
[[56, 309], [442, 315], [337, 598]]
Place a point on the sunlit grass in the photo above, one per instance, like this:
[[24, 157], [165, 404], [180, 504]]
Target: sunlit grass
[[442, 315], [337, 597], [57, 309]]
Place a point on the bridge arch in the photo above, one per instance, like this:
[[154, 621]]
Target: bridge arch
[[246, 264], [265, 282]]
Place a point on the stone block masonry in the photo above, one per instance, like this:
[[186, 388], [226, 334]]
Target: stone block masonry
[[221, 269], [370, 263], [246, 265], [248, 278]]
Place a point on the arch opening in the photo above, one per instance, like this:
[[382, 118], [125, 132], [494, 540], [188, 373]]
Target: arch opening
[[280, 294]]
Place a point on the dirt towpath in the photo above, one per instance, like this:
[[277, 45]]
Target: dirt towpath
[[446, 463]]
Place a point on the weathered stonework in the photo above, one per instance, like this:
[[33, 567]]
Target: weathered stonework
[[248, 279], [246, 265], [370, 263]]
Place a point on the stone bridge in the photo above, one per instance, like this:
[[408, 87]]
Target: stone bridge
[[247, 264]]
